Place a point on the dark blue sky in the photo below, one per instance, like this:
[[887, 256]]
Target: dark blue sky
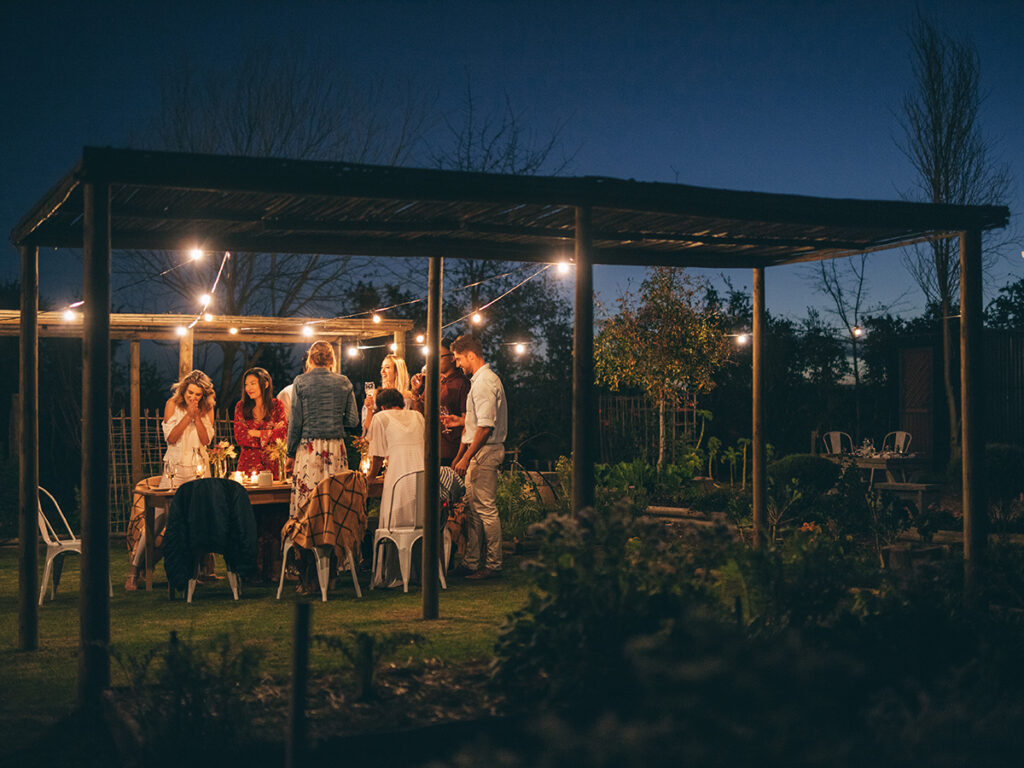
[[795, 97]]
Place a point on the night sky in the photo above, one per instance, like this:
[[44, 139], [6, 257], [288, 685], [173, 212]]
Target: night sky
[[795, 97]]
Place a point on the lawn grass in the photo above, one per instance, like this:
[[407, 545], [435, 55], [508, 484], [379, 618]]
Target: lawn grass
[[38, 687]]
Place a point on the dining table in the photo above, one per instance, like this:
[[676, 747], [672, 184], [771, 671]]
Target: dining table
[[276, 492], [897, 467]]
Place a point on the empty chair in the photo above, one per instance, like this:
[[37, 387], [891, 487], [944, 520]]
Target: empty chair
[[57, 544], [333, 521], [404, 538], [837, 442], [209, 515], [897, 442]]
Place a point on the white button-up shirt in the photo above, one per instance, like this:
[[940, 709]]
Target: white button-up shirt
[[486, 406]]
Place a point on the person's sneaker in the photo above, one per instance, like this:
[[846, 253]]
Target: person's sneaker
[[484, 573]]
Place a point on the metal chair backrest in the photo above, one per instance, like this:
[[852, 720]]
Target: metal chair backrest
[[900, 441], [416, 476], [837, 442], [46, 529]]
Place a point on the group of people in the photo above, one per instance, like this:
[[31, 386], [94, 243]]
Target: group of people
[[313, 415]]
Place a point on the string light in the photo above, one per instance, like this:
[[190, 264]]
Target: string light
[[520, 348], [420, 338], [742, 339], [207, 317], [425, 350], [375, 318], [69, 315], [857, 331], [205, 299], [393, 347], [353, 351], [181, 330], [76, 304], [233, 331], [564, 267], [196, 254], [476, 318], [307, 330]]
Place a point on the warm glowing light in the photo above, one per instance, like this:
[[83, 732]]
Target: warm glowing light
[[69, 315], [375, 318], [742, 339], [205, 299], [857, 331], [352, 351], [307, 330], [425, 350], [207, 317], [232, 331], [181, 330], [519, 348], [196, 254], [76, 304], [393, 347], [420, 338], [564, 267], [477, 318]]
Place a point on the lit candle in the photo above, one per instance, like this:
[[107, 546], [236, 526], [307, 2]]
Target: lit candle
[[252, 478]]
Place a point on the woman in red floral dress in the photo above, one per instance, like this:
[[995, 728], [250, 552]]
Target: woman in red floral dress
[[259, 421]]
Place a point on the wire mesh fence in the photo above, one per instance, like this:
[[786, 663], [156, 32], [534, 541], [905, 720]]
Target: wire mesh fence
[[628, 428]]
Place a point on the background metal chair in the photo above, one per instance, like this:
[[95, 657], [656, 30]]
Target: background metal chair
[[405, 538], [837, 442], [57, 544], [897, 442]]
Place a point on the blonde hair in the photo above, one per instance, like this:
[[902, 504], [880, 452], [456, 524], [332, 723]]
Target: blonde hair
[[199, 379], [321, 354], [401, 373]]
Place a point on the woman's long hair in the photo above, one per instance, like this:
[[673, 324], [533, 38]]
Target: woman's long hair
[[201, 380], [266, 394], [401, 373]]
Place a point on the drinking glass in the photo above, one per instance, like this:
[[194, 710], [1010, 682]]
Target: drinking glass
[[443, 411], [169, 470]]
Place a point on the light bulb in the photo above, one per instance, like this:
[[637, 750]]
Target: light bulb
[[477, 318], [207, 317], [375, 318], [520, 348], [205, 299], [352, 351], [307, 330], [69, 315], [393, 347], [564, 267], [181, 330], [196, 254], [420, 338], [233, 331], [741, 339]]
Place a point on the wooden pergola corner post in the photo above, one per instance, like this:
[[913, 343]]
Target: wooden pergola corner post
[[185, 354], [432, 443], [28, 448], [759, 480], [584, 416], [972, 441]]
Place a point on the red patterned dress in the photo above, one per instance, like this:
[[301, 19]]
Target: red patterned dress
[[253, 458]]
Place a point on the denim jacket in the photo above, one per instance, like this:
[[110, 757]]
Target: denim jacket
[[322, 406]]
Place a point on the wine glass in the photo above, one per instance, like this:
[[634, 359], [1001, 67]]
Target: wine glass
[[443, 411], [369, 388], [169, 469]]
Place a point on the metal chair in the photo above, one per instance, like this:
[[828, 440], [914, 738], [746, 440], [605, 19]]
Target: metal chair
[[897, 442], [837, 442], [57, 545], [405, 538]]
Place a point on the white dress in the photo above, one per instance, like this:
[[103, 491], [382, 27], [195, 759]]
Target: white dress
[[182, 453], [398, 436]]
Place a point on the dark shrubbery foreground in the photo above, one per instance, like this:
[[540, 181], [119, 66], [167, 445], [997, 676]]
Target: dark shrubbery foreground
[[640, 650]]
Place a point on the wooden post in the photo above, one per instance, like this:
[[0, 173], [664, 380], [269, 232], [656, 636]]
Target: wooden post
[[185, 356], [136, 409], [584, 447], [296, 736], [28, 448], [432, 444], [759, 484], [94, 660], [339, 349], [972, 438], [398, 337]]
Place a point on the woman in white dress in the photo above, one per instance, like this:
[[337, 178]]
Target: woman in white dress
[[396, 434], [188, 429]]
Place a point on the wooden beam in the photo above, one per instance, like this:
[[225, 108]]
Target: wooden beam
[[28, 450], [432, 444], [759, 485], [398, 337], [972, 439], [185, 354], [135, 390], [94, 659], [584, 414]]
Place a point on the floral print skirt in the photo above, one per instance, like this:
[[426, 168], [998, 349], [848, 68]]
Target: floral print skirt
[[315, 460]]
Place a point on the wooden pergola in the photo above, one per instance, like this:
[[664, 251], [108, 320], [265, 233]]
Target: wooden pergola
[[185, 331], [128, 199]]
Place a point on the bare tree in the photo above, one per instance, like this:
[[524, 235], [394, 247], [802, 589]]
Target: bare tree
[[275, 105], [952, 159]]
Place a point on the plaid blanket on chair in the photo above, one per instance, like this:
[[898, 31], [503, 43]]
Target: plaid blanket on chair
[[334, 516]]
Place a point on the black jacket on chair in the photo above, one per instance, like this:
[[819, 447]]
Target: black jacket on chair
[[209, 515]]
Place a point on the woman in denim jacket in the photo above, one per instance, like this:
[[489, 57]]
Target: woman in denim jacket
[[323, 406]]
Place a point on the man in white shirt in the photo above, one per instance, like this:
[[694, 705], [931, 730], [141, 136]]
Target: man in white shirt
[[480, 455]]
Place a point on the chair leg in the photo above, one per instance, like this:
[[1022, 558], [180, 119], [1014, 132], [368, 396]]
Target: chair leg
[[46, 578], [405, 565], [323, 565], [192, 584], [284, 560], [352, 568], [378, 563], [234, 583]]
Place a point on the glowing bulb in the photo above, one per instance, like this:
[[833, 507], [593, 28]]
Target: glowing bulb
[[352, 351], [207, 317], [477, 318], [420, 338], [307, 330], [741, 339], [69, 315], [196, 254], [520, 348], [393, 347], [857, 331], [375, 318], [425, 350], [233, 331], [205, 299], [564, 267], [181, 330], [76, 304]]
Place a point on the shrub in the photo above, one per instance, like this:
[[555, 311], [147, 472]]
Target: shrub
[[815, 474], [518, 505]]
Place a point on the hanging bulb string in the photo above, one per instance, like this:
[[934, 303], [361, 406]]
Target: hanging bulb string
[[216, 282], [540, 271]]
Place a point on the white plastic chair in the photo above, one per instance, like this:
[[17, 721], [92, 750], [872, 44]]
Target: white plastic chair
[[837, 442], [233, 581], [897, 442], [323, 567], [405, 538], [57, 545]]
